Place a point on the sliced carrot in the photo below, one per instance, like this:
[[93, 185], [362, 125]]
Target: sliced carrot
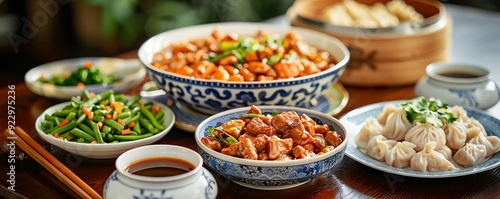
[[92, 95], [120, 121], [99, 125], [56, 135], [155, 108], [42, 77], [131, 124], [86, 110], [126, 132], [112, 104], [106, 108], [108, 116], [80, 85], [64, 122], [94, 142], [87, 64]]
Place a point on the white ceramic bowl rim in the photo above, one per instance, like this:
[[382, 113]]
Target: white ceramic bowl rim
[[434, 70], [259, 26], [243, 161], [159, 153]]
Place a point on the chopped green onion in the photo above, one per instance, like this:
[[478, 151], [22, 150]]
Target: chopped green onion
[[251, 115], [223, 137], [227, 45]]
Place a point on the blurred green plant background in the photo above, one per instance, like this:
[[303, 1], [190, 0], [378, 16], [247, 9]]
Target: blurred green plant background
[[129, 21], [34, 32]]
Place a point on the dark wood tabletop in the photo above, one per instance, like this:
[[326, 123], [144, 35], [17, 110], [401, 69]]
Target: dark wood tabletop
[[349, 180]]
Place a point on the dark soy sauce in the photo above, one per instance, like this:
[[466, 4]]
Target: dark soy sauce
[[159, 167], [458, 74]]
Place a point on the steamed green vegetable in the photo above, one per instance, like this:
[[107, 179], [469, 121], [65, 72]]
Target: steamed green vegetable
[[87, 74]]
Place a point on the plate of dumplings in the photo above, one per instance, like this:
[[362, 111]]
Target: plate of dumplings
[[423, 138]]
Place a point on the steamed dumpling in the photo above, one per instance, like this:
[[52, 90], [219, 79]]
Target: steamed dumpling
[[495, 144], [430, 160], [472, 122], [400, 155], [460, 113], [360, 13], [470, 154], [421, 134], [370, 129], [378, 146], [383, 16], [492, 143], [446, 151], [473, 132], [456, 134], [397, 125], [404, 12], [337, 14], [388, 109]]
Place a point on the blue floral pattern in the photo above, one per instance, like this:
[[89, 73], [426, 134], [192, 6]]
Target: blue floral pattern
[[116, 182], [268, 176], [226, 95], [467, 96], [271, 176]]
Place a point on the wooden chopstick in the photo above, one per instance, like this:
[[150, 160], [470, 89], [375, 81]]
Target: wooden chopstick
[[47, 160], [36, 156]]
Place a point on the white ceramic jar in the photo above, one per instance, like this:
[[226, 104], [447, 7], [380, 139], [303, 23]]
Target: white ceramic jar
[[459, 84], [197, 183]]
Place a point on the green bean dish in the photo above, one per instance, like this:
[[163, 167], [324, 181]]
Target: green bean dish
[[104, 118]]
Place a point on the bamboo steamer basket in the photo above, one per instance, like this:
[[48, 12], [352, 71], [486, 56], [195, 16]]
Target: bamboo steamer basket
[[392, 56]]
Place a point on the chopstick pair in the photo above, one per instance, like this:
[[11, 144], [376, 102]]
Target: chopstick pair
[[47, 160]]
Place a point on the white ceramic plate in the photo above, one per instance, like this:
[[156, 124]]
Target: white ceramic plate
[[129, 73], [354, 120], [331, 102], [102, 151]]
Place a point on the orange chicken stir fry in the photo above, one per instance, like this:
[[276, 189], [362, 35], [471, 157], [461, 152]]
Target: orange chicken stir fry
[[277, 136], [231, 57]]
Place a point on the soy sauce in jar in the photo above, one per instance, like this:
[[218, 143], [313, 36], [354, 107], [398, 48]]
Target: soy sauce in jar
[[459, 74], [159, 167]]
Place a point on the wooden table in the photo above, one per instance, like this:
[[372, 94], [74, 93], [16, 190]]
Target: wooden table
[[349, 180]]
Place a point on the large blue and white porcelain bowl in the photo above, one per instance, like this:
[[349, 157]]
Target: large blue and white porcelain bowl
[[266, 174], [211, 96]]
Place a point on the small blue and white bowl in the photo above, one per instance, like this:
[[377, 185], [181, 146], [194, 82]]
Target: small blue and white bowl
[[198, 183], [460, 84], [264, 174], [211, 96]]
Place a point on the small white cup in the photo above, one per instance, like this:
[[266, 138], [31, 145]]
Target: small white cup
[[197, 183], [459, 84]]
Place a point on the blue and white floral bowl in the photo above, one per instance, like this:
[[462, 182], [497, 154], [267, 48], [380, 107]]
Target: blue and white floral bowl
[[211, 96], [270, 175]]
